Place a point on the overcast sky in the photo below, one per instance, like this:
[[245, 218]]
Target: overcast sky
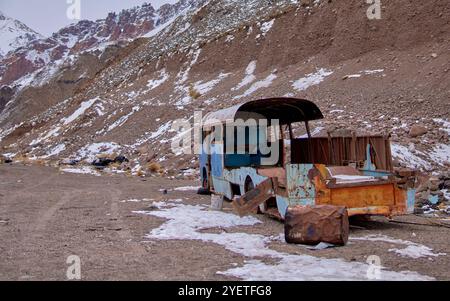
[[47, 16]]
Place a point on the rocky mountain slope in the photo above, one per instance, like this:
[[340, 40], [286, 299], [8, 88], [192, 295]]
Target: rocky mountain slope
[[387, 76], [14, 34], [83, 36]]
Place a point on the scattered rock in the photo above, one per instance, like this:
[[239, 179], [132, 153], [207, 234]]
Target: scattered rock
[[417, 131]]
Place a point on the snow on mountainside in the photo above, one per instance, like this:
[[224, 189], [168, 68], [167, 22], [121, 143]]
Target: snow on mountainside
[[14, 34], [388, 77], [21, 67]]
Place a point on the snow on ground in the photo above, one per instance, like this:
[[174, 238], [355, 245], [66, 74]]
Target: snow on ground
[[311, 79], [122, 120], [205, 87], [371, 72], [80, 111], [365, 72], [187, 188], [4, 133], [137, 201], [46, 135], [56, 150], [405, 156], [85, 170], [265, 83], [249, 76], [440, 154], [183, 75], [153, 135], [413, 250], [90, 152], [185, 222], [162, 78], [445, 124], [267, 26]]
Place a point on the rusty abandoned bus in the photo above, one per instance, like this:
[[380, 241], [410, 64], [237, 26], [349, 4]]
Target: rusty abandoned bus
[[354, 172]]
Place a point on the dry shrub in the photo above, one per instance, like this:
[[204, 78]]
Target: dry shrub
[[140, 173], [154, 167], [193, 93]]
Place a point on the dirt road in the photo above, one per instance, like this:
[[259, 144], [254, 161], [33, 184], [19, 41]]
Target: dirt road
[[46, 216]]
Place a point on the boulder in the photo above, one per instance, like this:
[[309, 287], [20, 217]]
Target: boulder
[[417, 131]]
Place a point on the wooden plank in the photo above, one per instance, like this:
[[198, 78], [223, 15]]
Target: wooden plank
[[250, 201]]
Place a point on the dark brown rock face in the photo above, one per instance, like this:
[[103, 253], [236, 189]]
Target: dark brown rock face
[[6, 94]]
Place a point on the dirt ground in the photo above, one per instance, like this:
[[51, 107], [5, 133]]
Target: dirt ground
[[46, 216]]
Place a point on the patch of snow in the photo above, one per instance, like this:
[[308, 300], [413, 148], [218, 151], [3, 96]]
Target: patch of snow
[[151, 136], [413, 250], [405, 156], [267, 26], [204, 88], [187, 188], [354, 76], [183, 76], [43, 137], [416, 251], [137, 201], [445, 124], [249, 76], [162, 78], [440, 154], [85, 170], [4, 133], [229, 38], [122, 120], [186, 222], [90, 152], [371, 72], [265, 83], [311, 79], [80, 111], [55, 151]]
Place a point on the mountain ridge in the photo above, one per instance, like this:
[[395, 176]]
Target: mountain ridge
[[14, 34]]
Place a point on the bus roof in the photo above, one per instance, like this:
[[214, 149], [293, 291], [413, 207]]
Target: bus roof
[[286, 110]]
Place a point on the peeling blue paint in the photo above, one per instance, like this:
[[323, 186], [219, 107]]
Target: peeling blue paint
[[301, 190], [411, 200]]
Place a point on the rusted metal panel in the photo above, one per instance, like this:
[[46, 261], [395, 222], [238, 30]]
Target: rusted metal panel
[[312, 225], [374, 210], [364, 196], [372, 152], [276, 172], [250, 201], [222, 187], [301, 190]]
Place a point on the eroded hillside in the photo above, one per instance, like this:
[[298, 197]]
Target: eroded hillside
[[387, 76]]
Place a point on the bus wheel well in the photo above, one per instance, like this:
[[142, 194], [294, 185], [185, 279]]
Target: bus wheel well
[[248, 184]]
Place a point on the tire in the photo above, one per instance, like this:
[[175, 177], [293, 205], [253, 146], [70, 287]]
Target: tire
[[203, 191]]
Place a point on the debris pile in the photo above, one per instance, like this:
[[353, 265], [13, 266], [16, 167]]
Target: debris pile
[[433, 195]]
